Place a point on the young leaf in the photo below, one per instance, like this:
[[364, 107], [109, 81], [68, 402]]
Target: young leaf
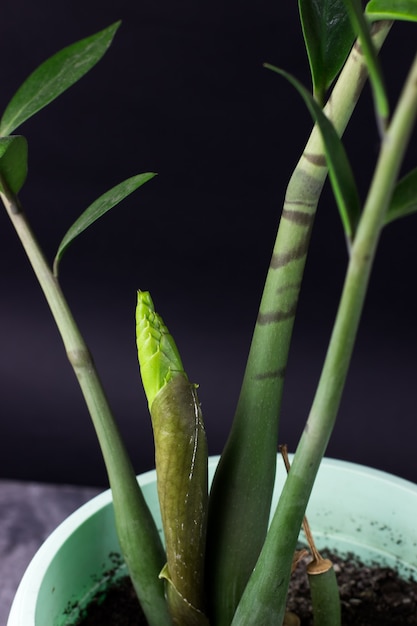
[[392, 10], [54, 77], [340, 172], [181, 463], [103, 204], [328, 36], [404, 198], [13, 163], [361, 27], [158, 354], [324, 592]]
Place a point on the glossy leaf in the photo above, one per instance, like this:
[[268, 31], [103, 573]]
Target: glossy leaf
[[361, 27], [340, 172], [96, 210], [404, 198], [54, 77], [13, 163], [392, 10], [328, 37]]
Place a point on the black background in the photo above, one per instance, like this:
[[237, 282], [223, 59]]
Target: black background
[[182, 92]]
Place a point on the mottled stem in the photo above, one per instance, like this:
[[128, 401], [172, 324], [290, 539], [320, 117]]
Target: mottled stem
[[242, 490], [264, 596]]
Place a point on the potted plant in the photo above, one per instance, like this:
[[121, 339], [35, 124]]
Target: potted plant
[[218, 565]]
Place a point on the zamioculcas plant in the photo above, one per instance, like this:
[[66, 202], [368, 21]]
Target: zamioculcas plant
[[181, 463], [222, 563]]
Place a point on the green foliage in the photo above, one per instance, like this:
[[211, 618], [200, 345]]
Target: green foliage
[[264, 596], [143, 551], [97, 209], [328, 37], [361, 27], [404, 198], [392, 10], [340, 172], [13, 163], [158, 354], [54, 77], [253, 577]]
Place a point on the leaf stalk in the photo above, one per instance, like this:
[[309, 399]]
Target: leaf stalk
[[143, 551], [246, 472], [261, 600]]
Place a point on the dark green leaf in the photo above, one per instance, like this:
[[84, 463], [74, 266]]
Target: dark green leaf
[[328, 36], [340, 172], [103, 204], [54, 77], [13, 163], [404, 198], [392, 10], [361, 27]]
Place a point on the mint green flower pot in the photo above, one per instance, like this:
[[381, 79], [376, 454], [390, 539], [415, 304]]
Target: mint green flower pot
[[353, 509]]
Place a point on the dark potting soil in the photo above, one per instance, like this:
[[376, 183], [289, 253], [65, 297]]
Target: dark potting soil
[[120, 607], [370, 596]]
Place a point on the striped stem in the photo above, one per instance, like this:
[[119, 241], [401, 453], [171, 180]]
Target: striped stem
[[242, 489], [263, 601]]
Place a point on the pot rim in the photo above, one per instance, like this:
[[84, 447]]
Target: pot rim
[[32, 579]]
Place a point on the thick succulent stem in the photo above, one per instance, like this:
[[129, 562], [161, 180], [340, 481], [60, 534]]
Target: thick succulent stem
[[242, 490], [142, 550], [262, 601]]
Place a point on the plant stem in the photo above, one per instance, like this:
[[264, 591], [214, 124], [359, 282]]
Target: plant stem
[[263, 601], [241, 494], [138, 536]]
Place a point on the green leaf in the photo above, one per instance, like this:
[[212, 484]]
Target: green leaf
[[328, 36], [392, 10], [361, 27], [103, 204], [340, 171], [13, 163], [404, 198], [54, 77], [158, 355]]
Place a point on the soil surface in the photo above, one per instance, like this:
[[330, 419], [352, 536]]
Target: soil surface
[[120, 607], [370, 596]]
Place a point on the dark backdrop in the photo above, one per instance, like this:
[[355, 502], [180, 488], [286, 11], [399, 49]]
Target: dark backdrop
[[182, 92]]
